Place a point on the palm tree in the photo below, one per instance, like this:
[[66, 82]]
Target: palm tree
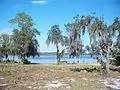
[[55, 37]]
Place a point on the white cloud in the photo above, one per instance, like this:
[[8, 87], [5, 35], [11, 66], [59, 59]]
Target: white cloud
[[40, 2]]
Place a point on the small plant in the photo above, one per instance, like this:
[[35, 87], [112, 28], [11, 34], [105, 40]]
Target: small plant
[[88, 69], [116, 60], [25, 61]]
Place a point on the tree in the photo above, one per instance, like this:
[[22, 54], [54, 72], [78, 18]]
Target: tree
[[88, 49], [74, 30], [100, 34], [4, 45], [55, 37], [24, 36], [7, 46], [104, 44], [103, 34], [115, 31]]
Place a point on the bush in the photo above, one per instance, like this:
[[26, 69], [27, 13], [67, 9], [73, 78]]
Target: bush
[[62, 62], [8, 61], [116, 57], [25, 61], [88, 69], [11, 61], [116, 61]]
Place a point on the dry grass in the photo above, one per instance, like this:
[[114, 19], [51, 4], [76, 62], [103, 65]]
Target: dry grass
[[20, 77]]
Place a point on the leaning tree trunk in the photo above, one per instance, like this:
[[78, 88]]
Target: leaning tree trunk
[[105, 65], [24, 60], [58, 58], [13, 57], [108, 60]]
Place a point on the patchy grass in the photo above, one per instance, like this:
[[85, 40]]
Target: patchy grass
[[86, 85], [36, 76]]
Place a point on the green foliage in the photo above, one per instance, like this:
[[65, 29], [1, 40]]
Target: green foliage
[[24, 38], [23, 41], [116, 61], [25, 61], [116, 56], [101, 36], [5, 42], [76, 30], [87, 69], [55, 37], [22, 20]]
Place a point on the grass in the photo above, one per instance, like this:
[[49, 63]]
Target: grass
[[87, 85], [37, 75]]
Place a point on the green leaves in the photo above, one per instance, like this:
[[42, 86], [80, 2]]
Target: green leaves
[[22, 20], [24, 37], [55, 36], [5, 43], [75, 29]]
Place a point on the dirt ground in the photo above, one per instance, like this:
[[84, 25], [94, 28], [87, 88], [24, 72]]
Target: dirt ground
[[51, 77]]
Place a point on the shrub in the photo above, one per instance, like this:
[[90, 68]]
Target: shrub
[[88, 69], [25, 61], [116, 60]]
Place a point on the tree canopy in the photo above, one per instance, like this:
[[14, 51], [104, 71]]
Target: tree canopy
[[23, 40], [55, 37]]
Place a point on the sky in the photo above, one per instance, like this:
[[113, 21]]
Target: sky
[[46, 13]]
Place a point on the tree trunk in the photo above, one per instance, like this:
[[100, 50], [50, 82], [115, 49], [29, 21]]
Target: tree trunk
[[108, 61], [78, 58], [107, 68], [58, 58], [24, 60], [13, 57], [105, 65]]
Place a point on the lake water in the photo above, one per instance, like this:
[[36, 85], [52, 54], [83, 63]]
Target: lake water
[[49, 59]]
